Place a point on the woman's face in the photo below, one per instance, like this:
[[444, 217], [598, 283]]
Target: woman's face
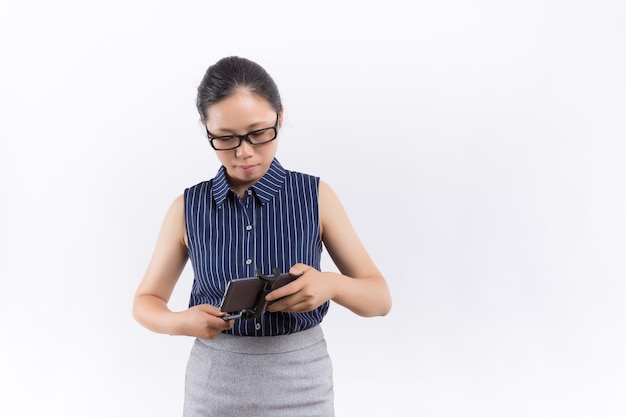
[[239, 114]]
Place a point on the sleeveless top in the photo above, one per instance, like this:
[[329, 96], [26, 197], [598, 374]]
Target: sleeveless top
[[275, 225]]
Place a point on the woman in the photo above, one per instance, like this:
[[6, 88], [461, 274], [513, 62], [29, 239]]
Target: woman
[[255, 215]]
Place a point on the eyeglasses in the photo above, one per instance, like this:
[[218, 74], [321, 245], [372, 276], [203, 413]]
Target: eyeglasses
[[256, 137]]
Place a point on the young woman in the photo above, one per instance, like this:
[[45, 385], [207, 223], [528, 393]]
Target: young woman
[[255, 215]]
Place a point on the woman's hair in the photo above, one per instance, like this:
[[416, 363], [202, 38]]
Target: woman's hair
[[230, 74]]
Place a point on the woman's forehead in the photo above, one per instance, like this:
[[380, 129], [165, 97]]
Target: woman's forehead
[[241, 110]]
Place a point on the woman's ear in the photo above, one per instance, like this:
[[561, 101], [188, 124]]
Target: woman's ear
[[280, 116]]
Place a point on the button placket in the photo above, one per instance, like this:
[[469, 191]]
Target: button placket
[[248, 229]]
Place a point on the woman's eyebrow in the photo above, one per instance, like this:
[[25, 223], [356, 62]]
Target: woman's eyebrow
[[249, 128]]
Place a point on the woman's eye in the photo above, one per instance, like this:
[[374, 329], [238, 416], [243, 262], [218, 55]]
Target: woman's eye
[[262, 136]]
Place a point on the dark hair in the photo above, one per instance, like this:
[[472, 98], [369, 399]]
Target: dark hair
[[229, 74]]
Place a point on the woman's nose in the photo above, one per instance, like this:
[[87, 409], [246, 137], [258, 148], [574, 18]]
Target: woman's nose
[[244, 150]]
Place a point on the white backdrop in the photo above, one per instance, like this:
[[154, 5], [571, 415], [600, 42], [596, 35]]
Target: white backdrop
[[477, 145]]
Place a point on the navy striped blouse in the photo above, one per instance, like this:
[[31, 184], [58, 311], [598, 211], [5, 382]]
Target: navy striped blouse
[[275, 225]]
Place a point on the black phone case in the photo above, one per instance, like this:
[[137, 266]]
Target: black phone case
[[244, 294]]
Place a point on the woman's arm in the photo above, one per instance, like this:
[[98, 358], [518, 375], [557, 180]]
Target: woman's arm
[[360, 287], [167, 263]]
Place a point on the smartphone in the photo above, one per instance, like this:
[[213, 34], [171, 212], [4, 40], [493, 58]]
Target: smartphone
[[243, 293]]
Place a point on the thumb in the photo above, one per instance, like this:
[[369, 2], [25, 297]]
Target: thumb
[[299, 269], [212, 310]]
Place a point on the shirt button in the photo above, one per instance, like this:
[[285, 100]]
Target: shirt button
[[248, 261], [249, 192], [249, 227], [257, 326]]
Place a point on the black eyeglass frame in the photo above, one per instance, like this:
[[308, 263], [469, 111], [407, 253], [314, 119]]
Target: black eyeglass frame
[[245, 136]]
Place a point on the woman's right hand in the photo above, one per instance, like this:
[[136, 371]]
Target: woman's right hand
[[204, 321]]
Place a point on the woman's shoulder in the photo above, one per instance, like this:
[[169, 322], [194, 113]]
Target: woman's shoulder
[[200, 190], [206, 184], [299, 175], [326, 191]]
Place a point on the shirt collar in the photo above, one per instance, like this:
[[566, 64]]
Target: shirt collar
[[265, 188]]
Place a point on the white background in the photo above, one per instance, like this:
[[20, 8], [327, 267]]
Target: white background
[[477, 145]]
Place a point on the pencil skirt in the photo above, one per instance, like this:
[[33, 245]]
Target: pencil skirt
[[288, 375]]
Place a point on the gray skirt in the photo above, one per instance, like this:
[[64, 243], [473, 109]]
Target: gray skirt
[[275, 376]]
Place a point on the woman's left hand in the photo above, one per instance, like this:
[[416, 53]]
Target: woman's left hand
[[312, 289]]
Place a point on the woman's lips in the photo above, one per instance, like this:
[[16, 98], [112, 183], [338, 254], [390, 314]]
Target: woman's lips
[[247, 168]]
